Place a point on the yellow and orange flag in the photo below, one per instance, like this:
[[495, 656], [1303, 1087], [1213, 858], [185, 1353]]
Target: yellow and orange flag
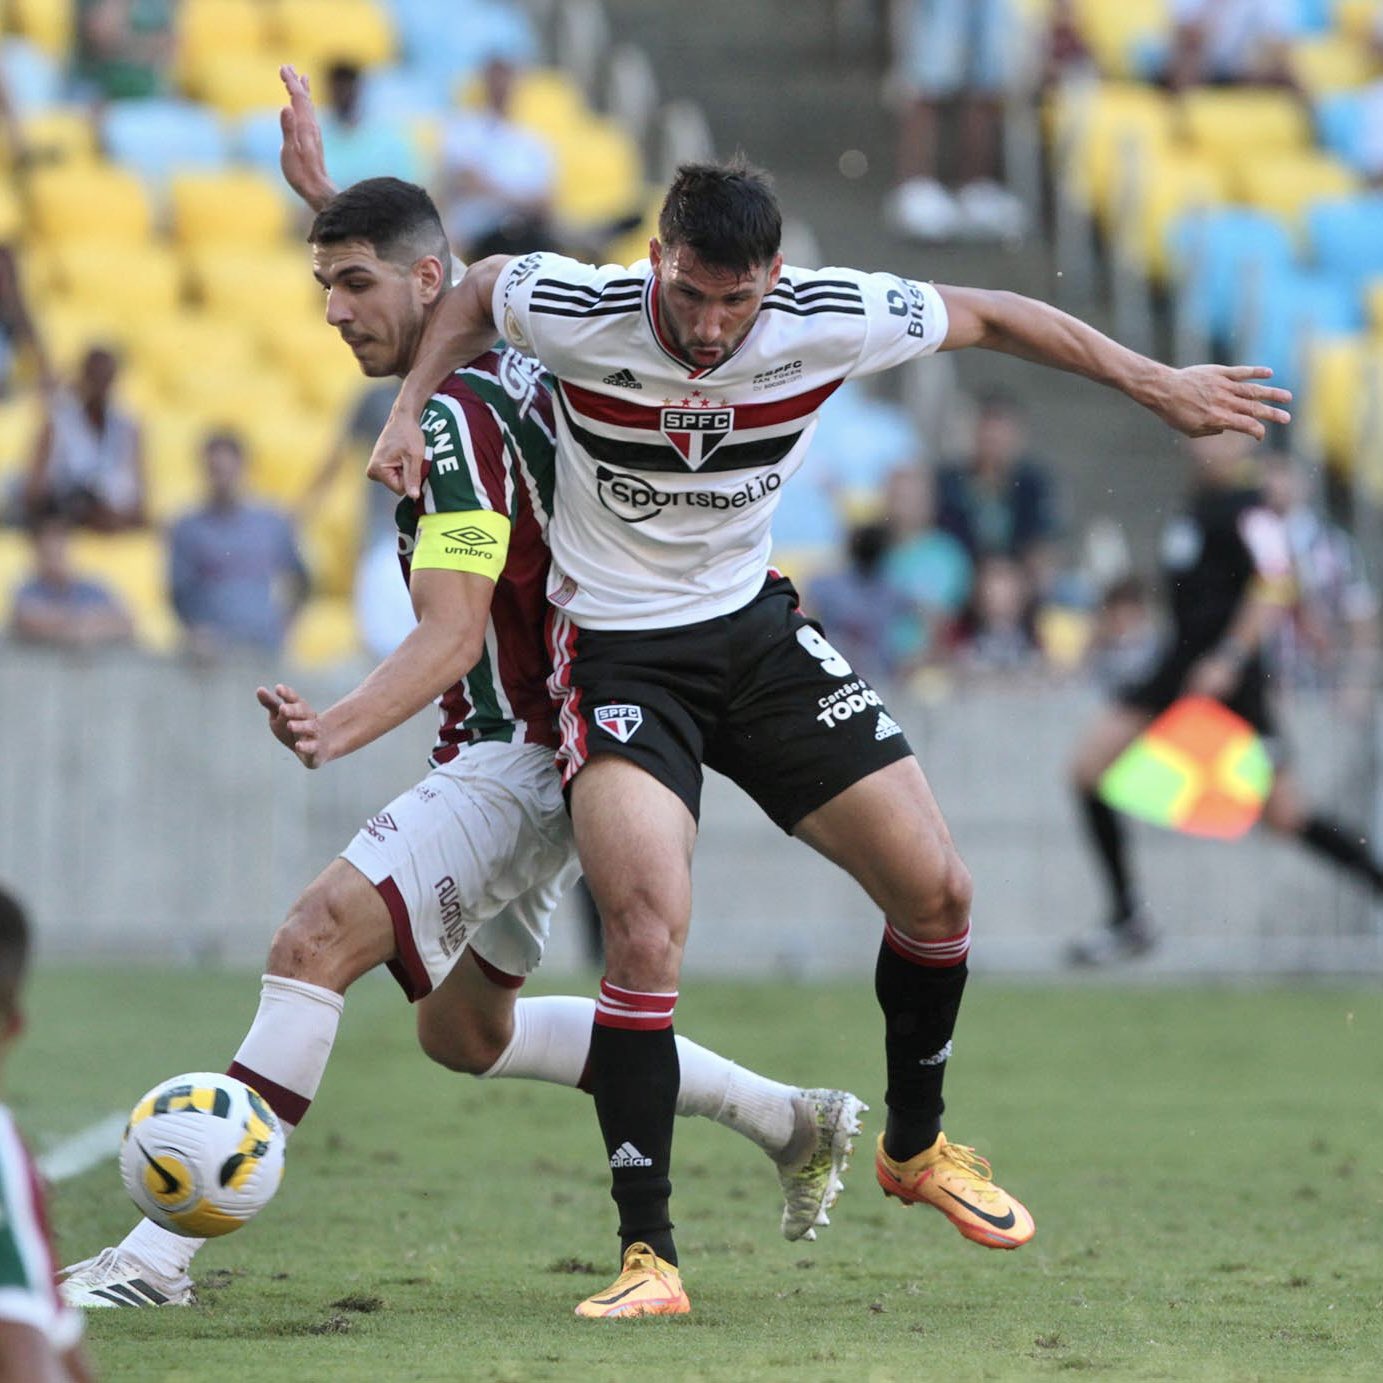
[[1198, 768]]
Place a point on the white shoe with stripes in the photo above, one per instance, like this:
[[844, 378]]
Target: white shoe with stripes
[[115, 1279]]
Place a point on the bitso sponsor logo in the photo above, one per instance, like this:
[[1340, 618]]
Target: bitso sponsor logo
[[619, 721], [453, 935], [635, 500], [848, 701]]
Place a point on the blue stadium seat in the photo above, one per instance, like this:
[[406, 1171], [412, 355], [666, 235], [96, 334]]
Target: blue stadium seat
[[1217, 252], [159, 137], [457, 36], [31, 76], [1346, 237], [256, 138], [1294, 307], [1312, 16], [1340, 125]]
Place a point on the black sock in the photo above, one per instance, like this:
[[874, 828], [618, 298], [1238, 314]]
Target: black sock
[[1107, 832], [920, 1004], [1345, 845], [635, 1078]]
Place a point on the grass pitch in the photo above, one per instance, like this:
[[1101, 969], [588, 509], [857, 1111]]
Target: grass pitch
[[1205, 1167]]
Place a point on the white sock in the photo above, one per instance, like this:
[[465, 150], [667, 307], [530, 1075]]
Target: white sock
[[287, 1047], [552, 1038]]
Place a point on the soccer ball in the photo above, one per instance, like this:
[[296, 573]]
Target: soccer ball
[[202, 1154]]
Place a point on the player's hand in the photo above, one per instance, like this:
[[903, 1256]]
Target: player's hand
[[294, 724], [1214, 676], [301, 156], [1202, 400], [397, 460]]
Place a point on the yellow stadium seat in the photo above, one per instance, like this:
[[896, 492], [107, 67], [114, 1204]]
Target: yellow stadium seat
[[1373, 294], [135, 566], [324, 633], [319, 32], [1170, 186], [208, 29], [71, 329], [1333, 403], [253, 287], [1063, 634], [125, 281], [252, 397], [287, 446], [240, 207], [16, 561], [1116, 29], [51, 24], [1288, 183], [331, 535], [1106, 130], [1235, 123], [1330, 62], [1355, 19], [174, 475], [20, 420], [599, 173], [544, 99], [235, 83], [11, 212], [311, 353], [72, 202], [190, 343], [62, 134]]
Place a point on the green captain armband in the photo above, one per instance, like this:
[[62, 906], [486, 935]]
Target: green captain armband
[[477, 541]]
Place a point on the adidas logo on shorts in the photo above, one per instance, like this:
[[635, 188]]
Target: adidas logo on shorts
[[624, 379], [886, 726], [627, 1155]]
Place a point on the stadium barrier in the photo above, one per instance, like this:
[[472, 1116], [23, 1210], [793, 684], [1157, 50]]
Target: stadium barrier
[[146, 813]]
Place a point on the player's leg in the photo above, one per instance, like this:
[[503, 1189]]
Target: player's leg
[[337, 930], [888, 832], [1127, 931], [1288, 813]]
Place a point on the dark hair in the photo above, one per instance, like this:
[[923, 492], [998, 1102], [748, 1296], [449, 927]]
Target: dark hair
[[867, 546], [398, 219], [224, 437], [725, 212], [14, 951]]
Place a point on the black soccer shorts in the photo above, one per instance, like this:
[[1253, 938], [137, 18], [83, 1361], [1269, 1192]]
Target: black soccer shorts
[[758, 695], [1250, 699]]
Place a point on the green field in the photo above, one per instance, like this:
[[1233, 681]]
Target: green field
[[1205, 1166]]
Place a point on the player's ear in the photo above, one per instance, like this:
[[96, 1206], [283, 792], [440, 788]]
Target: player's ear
[[775, 272], [655, 252], [433, 276]]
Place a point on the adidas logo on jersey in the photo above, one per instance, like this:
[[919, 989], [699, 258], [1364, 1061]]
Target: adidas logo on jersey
[[624, 379], [886, 726], [627, 1155]]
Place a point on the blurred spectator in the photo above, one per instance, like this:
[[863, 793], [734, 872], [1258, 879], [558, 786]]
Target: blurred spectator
[[55, 606], [1066, 52], [998, 629], [858, 606], [124, 48], [359, 147], [235, 573], [929, 568], [954, 50], [1228, 41], [1001, 503], [1330, 638], [18, 334], [495, 176], [88, 461], [1124, 638]]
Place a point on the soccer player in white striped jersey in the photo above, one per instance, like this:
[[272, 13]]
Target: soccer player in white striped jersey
[[688, 387], [452, 885]]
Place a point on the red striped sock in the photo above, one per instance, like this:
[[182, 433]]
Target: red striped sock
[[629, 1008], [949, 950]]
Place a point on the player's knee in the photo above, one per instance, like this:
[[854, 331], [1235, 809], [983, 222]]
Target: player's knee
[[940, 904], [314, 942], [470, 1045]]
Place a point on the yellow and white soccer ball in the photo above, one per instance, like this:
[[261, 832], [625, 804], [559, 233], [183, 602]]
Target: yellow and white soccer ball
[[202, 1154]]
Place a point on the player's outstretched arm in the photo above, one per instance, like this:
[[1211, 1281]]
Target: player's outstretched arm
[[1198, 400], [301, 156], [452, 608], [462, 327]]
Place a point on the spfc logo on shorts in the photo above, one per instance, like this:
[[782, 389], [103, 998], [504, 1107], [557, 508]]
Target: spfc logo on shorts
[[696, 432], [619, 721]]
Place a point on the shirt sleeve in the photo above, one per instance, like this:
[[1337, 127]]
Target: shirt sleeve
[[467, 461], [904, 319], [548, 306]]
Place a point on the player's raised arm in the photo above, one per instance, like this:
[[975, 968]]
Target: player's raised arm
[[459, 330], [301, 156], [1198, 400]]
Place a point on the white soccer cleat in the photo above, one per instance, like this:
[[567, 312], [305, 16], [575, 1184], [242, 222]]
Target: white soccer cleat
[[815, 1160], [113, 1278]]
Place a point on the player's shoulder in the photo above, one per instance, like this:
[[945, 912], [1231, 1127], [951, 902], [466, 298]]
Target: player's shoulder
[[548, 276]]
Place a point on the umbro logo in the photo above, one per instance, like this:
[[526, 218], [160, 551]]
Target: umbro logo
[[627, 1155], [476, 537], [886, 726], [623, 379]]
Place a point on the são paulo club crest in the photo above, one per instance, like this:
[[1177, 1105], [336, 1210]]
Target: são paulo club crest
[[696, 427], [619, 721]]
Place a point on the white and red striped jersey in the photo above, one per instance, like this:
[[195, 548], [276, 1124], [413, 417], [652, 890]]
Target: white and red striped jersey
[[667, 474]]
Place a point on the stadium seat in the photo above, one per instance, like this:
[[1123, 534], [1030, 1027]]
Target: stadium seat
[[1121, 34], [11, 212], [1373, 304], [73, 202], [51, 24], [1346, 237], [239, 207], [1105, 130], [447, 37], [212, 28], [317, 32], [20, 419], [249, 287], [1355, 19], [135, 566], [331, 534], [61, 134], [286, 445], [324, 633], [1215, 252], [599, 174], [1225, 121], [121, 281], [174, 475], [71, 329], [1334, 401], [1329, 63], [1290, 310], [172, 348], [257, 138], [1169, 187], [544, 100], [236, 83], [1289, 183], [1340, 125], [16, 561], [32, 76], [159, 137]]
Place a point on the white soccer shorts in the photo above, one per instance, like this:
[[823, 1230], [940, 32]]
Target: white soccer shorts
[[476, 855]]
